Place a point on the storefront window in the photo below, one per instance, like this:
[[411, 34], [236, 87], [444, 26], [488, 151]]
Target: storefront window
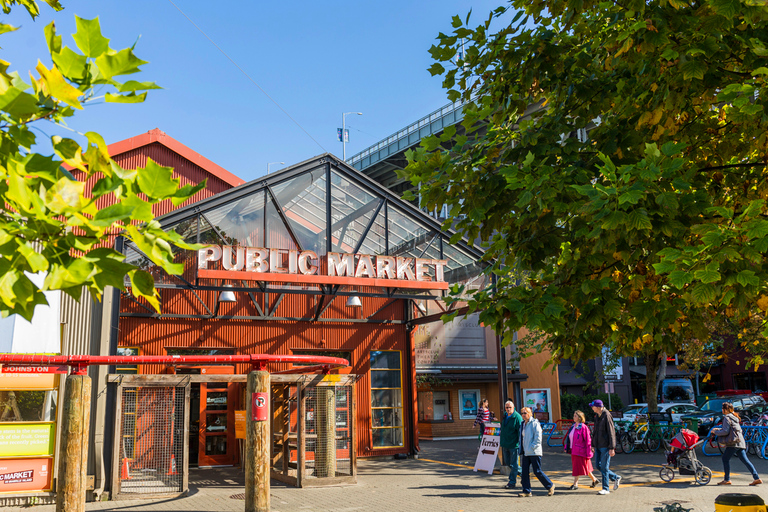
[[386, 399]]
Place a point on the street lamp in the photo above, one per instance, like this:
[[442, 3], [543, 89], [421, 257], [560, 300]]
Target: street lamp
[[270, 163], [344, 133]]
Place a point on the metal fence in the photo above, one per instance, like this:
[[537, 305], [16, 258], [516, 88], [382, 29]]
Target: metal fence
[[150, 446]]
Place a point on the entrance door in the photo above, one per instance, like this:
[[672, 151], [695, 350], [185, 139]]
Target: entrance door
[[212, 418], [217, 446]]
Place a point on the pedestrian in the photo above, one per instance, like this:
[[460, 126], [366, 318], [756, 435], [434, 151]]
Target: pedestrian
[[604, 443], [530, 451], [732, 437], [483, 417], [510, 442], [578, 442]]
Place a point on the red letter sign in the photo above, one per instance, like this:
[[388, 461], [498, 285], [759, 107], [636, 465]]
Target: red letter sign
[[259, 407]]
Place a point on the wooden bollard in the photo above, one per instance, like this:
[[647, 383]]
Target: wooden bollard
[[73, 451], [257, 443], [325, 456]]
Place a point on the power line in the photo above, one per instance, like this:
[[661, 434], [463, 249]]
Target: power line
[[248, 77]]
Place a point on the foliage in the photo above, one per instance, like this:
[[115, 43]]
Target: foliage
[[570, 403], [427, 381], [650, 230], [50, 223]]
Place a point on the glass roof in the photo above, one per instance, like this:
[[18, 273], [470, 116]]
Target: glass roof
[[296, 208]]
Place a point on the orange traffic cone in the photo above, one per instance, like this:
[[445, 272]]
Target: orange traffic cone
[[172, 466], [125, 471]]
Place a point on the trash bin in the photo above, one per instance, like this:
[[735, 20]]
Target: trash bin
[[739, 503], [692, 424]]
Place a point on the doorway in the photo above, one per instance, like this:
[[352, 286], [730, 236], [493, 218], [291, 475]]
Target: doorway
[[212, 419]]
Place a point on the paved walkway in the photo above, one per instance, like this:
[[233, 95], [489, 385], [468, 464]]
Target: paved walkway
[[442, 480]]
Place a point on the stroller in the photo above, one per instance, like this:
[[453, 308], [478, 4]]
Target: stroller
[[681, 455]]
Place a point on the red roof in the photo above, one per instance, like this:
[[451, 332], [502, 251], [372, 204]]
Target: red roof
[[161, 137]]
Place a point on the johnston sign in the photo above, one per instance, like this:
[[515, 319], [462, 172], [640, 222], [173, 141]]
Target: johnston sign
[[282, 265]]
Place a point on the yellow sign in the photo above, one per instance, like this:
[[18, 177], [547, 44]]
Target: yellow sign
[[332, 378], [27, 439], [239, 424]]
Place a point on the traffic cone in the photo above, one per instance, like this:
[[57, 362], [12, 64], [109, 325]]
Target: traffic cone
[[125, 471], [172, 466]]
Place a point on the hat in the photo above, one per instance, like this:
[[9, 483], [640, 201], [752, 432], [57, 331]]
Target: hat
[[597, 403]]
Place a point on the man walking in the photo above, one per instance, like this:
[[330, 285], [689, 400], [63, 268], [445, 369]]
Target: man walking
[[510, 442], [604, 443]]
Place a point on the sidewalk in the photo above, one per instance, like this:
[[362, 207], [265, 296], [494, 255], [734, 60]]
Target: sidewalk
[[442, 480]]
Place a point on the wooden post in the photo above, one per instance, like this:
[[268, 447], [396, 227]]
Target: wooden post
[[73, 451], [325, 416], [257, 447]]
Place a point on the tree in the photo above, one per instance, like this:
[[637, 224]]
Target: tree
[[50, 223], [650, 229]]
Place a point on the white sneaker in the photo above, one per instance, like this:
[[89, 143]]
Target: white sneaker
[[603, 492], [616, 483]]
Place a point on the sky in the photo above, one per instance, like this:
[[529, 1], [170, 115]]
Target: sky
[[315, 60]]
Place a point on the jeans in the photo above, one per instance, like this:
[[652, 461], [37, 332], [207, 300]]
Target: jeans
[[741, 453], [525, 478], [509, 458], [603, 464]]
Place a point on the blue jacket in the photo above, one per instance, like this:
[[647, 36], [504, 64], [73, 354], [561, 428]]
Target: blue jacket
[[530, 436]]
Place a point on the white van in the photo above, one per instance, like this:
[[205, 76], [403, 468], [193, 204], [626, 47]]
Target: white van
[[676, 391]]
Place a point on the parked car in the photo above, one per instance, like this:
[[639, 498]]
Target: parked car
[[629, 413], [677, 411], [710, 413], [676, 391]]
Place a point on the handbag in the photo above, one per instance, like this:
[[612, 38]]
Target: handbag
[[734, 432]]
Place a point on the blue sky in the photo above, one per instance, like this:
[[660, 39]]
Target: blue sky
[[315, 59]]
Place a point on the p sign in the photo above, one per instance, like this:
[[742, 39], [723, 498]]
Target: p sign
[[259, 406]]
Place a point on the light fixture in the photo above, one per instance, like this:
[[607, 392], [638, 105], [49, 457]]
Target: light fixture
[[354, 302], [227, 295]]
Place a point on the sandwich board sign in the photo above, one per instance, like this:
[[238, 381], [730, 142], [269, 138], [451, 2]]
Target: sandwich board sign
[[489, 448]]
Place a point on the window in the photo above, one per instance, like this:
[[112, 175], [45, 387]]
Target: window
[[434, 405], [386, 399]]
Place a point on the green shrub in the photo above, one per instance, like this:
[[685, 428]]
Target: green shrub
[[570, 403]]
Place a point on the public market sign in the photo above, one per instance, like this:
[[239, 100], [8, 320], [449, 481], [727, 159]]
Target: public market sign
[[291, 266]]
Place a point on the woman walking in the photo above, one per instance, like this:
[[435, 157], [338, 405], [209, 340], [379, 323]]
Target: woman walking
[[578, 442], [733, 439], [483, 417], [530, 451]]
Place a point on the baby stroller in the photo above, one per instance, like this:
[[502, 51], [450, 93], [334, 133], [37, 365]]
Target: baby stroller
[[681, 455]]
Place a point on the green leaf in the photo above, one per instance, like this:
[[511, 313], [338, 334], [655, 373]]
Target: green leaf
[[17, 102], [554, 309], [612, 309], [704, 293], [123, 62], [436, 69], [747, 278], [638, 219], [679, 279], [54, 41], [125, 98], [631, 196], [89, 39], [58, 87], [664, 267], [115, 213], [157, 181], [72, 65], [133, 85], [694, 69], [707, 276], [615, 220]]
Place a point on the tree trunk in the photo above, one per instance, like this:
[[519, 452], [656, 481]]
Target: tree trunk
[[652, 362]]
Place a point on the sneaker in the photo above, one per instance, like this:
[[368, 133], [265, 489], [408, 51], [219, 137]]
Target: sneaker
[[756, 482], [509, 486], [724, 482], [616, 483], [603, 492], [551, 491], [524, 495]]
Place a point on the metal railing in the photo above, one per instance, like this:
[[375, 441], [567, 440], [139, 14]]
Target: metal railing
[[411, 128]]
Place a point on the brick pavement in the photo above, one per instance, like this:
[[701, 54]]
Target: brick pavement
[[442, 480]]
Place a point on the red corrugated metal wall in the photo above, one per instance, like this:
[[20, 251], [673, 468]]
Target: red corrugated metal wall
[[153, 336]]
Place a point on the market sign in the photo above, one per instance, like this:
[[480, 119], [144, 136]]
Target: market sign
[[35, 369], [24, 475], [26, 439], [291, 266]]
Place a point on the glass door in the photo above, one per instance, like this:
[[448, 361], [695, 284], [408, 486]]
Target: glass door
[[217, 446]]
